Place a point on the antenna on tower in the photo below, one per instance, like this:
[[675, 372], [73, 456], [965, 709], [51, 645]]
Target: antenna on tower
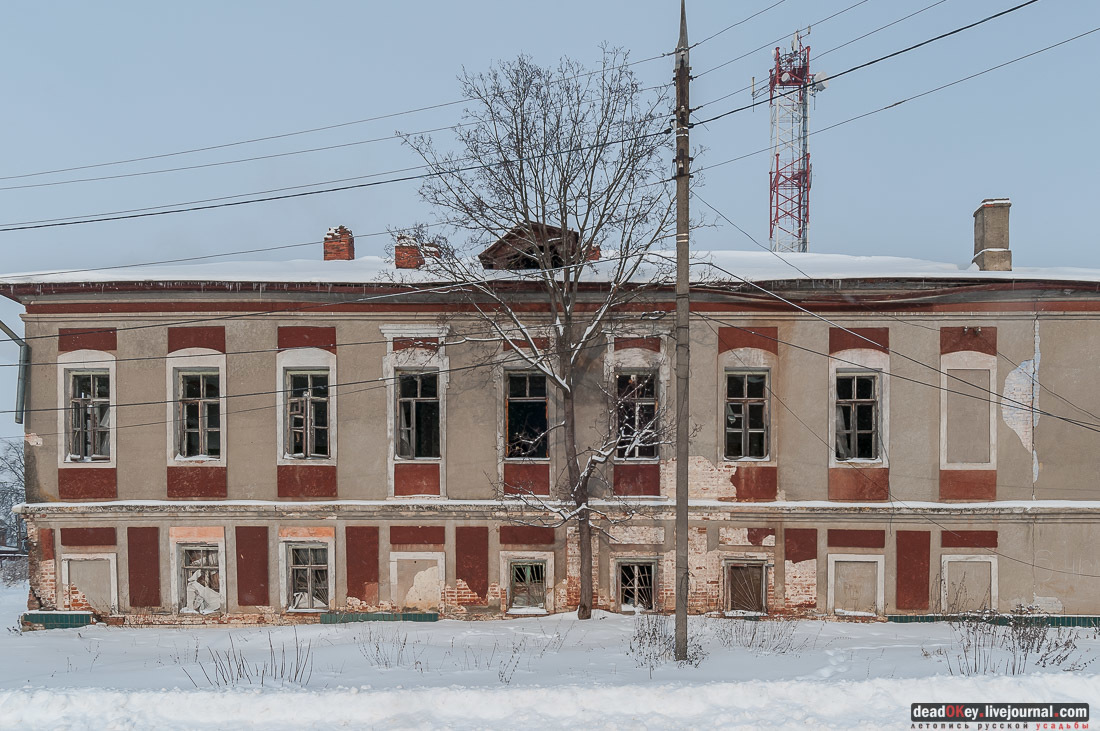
[[789, 90]]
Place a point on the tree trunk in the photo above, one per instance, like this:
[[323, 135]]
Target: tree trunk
[[579, 492]]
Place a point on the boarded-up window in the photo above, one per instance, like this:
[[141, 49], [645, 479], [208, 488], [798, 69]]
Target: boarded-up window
[[92, 578], [968, 416], [855, 586], [969, 586], [419, 583], [746, 587]]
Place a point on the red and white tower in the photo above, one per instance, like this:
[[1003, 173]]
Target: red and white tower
[[789, 91]]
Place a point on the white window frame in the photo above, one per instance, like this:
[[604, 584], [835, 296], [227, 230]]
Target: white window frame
[[640, 360], [507, 558], [415, 359], [968, 360], [658, 407], [855, 360], [193, 360], [439, 557], [880, 578], [73, 363], [182, 536], [296, 360], [973, 557], [748, 360], [111, 558], [504, 398], [285, 545]]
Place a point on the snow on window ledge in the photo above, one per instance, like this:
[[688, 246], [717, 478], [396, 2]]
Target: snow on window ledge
[[743, 613], [528, 611], [852, 613]]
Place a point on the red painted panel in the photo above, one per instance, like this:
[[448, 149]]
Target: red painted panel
[[524, 477], [197, 482], [212, 338], [401, 535], [968, 485], [799, 544], [653, 344], [45, 543], [362, 562], [87, 483], [914, 548], [540, 343], [88, 537], [757, 535], [252, 566], [859, 484], [856, 538], [958, 339], [968, 539], [761, 338], [83, 338], [306, 480], [143, 565], [406, 343], [472, 558], [526, 535], [307, 337], [755, 483], [848, 338], [637, 479], [416, 478]]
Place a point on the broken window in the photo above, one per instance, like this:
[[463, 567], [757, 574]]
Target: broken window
[[526, 414], [747, 415], [528, 586], [636, 582], [857, 427], [307, 415], [307, 583], [90, 416], [745, 587], [417, 415], [199, 415], [200, 579], [637, 399]]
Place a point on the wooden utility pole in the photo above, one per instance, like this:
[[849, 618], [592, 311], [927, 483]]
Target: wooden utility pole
[[683, 333]]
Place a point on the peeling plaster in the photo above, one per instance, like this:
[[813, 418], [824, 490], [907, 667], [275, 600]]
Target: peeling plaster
[[1022, 387]]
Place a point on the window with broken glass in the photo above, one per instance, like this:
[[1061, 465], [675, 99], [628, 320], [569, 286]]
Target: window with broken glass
[[637, 406], [307, 584], [526, 416], [199, 415], [418, 415], [857, 428], [90, 416], [307, 408], [747, 415], [636, 584], [200, 579], [528, 585]]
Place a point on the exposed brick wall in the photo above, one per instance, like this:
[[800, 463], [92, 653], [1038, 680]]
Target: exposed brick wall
[[42, 568], [800, 568]]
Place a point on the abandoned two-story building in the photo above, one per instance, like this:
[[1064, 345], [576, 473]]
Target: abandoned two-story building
[[281, 442]]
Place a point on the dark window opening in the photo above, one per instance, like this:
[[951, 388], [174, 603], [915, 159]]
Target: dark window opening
[[747, 422], [90, 416], [526, 415], [746, 587], [307, 428], [636, 585], [199, 415], [857, 429], [418, 415], [308, 580], [637, 407], [528, 585]]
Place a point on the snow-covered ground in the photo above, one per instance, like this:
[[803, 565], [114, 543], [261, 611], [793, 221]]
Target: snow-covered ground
[[548, 672]]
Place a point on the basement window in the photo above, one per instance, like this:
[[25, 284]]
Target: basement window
[[90, 416], [636, 585], [307, 583], [418, 415], [200, 580], [307, 426], [746, 584], [527, 589]]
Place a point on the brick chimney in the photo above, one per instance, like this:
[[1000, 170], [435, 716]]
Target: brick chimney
[[339, 244], [991, 252], [406, 253]]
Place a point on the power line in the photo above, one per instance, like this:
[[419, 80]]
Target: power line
[[734, 25], [880, 59], [913, 97]]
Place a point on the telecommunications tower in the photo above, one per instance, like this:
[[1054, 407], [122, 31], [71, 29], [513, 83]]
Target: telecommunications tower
[[789, 90]]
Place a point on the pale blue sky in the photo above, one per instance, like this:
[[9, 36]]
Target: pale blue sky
[[87, 83]]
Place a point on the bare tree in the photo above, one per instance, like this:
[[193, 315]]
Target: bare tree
[[561, 173], [12, 492]]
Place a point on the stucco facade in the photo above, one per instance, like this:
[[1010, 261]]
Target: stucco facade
[[977, 489]]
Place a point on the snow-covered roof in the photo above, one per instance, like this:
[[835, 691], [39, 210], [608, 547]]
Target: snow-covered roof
[[751, 265]]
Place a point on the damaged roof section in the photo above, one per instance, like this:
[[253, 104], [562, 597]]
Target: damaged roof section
[[533, 245]]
